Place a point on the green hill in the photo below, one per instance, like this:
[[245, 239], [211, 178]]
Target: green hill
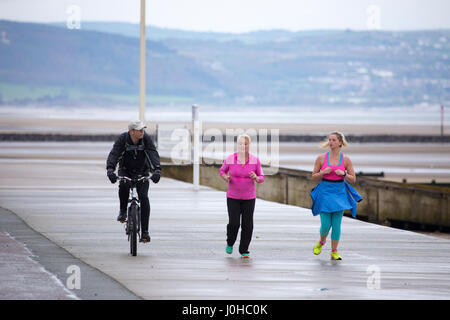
[[56, 64], [100, 64]]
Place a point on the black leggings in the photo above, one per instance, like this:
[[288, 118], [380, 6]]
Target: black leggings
[[142, 191], [236, 209]]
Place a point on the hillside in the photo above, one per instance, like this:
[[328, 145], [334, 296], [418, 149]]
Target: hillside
[[100, 63], [85, 65]]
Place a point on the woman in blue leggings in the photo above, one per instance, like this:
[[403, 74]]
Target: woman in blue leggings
[[333, 194]]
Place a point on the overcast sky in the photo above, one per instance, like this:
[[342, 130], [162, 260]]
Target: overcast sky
[[243, 15]]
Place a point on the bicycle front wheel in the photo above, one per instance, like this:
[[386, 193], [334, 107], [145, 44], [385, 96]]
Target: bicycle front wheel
[[133, 229]]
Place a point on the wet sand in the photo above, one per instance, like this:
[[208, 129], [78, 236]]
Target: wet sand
[[416, 162], [74, 126]]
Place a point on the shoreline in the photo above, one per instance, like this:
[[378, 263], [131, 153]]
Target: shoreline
[[415, 162], [24, 125], [375, 148]]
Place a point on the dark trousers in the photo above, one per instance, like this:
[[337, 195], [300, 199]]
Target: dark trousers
[[142, 191], [240, 209]]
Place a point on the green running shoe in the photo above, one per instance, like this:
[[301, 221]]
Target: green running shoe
[[245, 255], [318, 248], [229, 249], [335, 256]]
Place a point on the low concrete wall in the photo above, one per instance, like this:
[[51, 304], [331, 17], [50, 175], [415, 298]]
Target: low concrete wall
[[383, 201]]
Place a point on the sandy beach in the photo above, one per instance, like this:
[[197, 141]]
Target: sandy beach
[[415, 162], [76, 126]]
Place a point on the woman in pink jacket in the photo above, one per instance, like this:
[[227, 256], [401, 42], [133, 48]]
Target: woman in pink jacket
[[241, 170]]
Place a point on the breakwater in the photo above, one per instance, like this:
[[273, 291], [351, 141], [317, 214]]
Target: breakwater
[[385, 202], [282, 138]]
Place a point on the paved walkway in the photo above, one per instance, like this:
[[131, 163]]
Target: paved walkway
[[73, 205], [33, 267], [17, 266]]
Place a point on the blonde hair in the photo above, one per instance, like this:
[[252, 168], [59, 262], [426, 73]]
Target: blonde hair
[[247, 137], [339, 135]]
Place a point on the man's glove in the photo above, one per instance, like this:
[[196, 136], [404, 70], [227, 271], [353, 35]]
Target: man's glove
[[156, 176], [112, 176]]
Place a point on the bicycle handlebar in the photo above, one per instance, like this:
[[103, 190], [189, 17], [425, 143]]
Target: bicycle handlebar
[[134, 180]]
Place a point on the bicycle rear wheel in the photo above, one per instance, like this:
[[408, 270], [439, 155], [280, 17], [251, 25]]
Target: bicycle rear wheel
[[133, 232]]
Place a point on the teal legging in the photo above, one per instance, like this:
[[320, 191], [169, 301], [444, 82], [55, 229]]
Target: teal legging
[[330, 220]]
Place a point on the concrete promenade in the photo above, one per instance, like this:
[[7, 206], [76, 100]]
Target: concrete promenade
[[73, 205]]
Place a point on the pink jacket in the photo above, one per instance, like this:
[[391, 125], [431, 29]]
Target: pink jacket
[[241, 186]]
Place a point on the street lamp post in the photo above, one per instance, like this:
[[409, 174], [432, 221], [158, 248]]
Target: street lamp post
[[196, 147], [142, 65]]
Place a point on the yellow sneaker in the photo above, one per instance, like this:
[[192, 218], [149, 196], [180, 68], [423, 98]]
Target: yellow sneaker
[[318, 248], [335, 255]]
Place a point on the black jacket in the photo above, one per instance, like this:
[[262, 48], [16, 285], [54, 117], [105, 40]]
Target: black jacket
[[133, 159]]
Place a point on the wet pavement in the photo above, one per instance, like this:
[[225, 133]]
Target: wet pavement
[[18, 267], [73, 205], [34, 268]]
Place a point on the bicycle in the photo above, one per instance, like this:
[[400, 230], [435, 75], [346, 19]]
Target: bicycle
[[133, 222]]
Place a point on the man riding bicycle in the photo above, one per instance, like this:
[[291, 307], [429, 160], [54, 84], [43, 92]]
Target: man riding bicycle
[[137, 156]]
